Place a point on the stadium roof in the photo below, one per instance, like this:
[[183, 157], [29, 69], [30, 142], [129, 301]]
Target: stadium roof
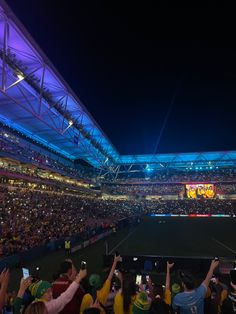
[[36, 101]]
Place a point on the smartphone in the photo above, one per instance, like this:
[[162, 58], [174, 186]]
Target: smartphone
[[25, 272], [138, 279], [213, 279], [83, 265], [233, 276], [116, 272], [147, 278]]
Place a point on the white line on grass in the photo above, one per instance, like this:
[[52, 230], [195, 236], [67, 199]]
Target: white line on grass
[[225, 246], [123, 240]]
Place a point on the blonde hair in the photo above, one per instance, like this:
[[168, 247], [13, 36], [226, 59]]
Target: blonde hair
[[36, 308]]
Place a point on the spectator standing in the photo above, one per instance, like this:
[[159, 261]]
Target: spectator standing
[[191, 301], [67, 274]]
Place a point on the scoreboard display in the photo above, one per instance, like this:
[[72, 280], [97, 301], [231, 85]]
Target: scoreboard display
[[200, 190]]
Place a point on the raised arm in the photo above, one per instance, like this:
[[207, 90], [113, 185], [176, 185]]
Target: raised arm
[[24, 284], [213, 266], [116, 260], [168, 268], [56, 305]]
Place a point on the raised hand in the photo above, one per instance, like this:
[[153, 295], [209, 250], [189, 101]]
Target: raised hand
[[170, 265]]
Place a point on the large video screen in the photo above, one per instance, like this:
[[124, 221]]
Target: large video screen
[[200, 190]]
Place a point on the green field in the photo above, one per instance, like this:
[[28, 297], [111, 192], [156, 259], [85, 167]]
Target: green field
[[173, 236], [200, 237]]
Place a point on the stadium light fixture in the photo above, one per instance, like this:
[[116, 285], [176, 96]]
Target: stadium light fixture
[[70, 123], [20, 76]]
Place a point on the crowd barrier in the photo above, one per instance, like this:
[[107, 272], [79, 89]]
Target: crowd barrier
[[37, 252], [77, 243], [156, 264]]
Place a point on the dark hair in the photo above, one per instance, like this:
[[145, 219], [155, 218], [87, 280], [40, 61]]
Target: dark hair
[[92, 310], [188, 281], [158, 306], [158, 290], [64, 268], [128, 290], [218, 276]]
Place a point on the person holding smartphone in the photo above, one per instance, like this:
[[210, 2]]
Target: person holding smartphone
[[191, 300], [41, 291], [97, 290], [66, 274]]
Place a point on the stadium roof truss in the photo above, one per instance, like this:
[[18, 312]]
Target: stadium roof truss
[[36, 101], [189, 161]]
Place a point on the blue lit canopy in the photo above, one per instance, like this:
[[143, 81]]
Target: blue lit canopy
[[189, 160]]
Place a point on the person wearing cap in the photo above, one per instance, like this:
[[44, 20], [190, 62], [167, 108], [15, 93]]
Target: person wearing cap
[[42, 292], [141, 304], [175, 288], [192, 300], [99, 291], [66, 274]]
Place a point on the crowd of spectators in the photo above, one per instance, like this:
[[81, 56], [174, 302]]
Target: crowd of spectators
[[17, 147], [226, 188], [161, 189], [30, 218], [23, 174], [20, 149], [212, 174], [191, 206], [143, 189], [73, 292]]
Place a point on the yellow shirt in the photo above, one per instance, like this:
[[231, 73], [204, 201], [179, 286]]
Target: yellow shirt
[[167, 296], [67, 244], [118, 304], [102, 295]]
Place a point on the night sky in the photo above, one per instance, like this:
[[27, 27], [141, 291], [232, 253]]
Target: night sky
[[132, 64]]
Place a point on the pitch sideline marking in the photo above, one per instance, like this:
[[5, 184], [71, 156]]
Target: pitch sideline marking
[[225, 246], [123, 240]]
